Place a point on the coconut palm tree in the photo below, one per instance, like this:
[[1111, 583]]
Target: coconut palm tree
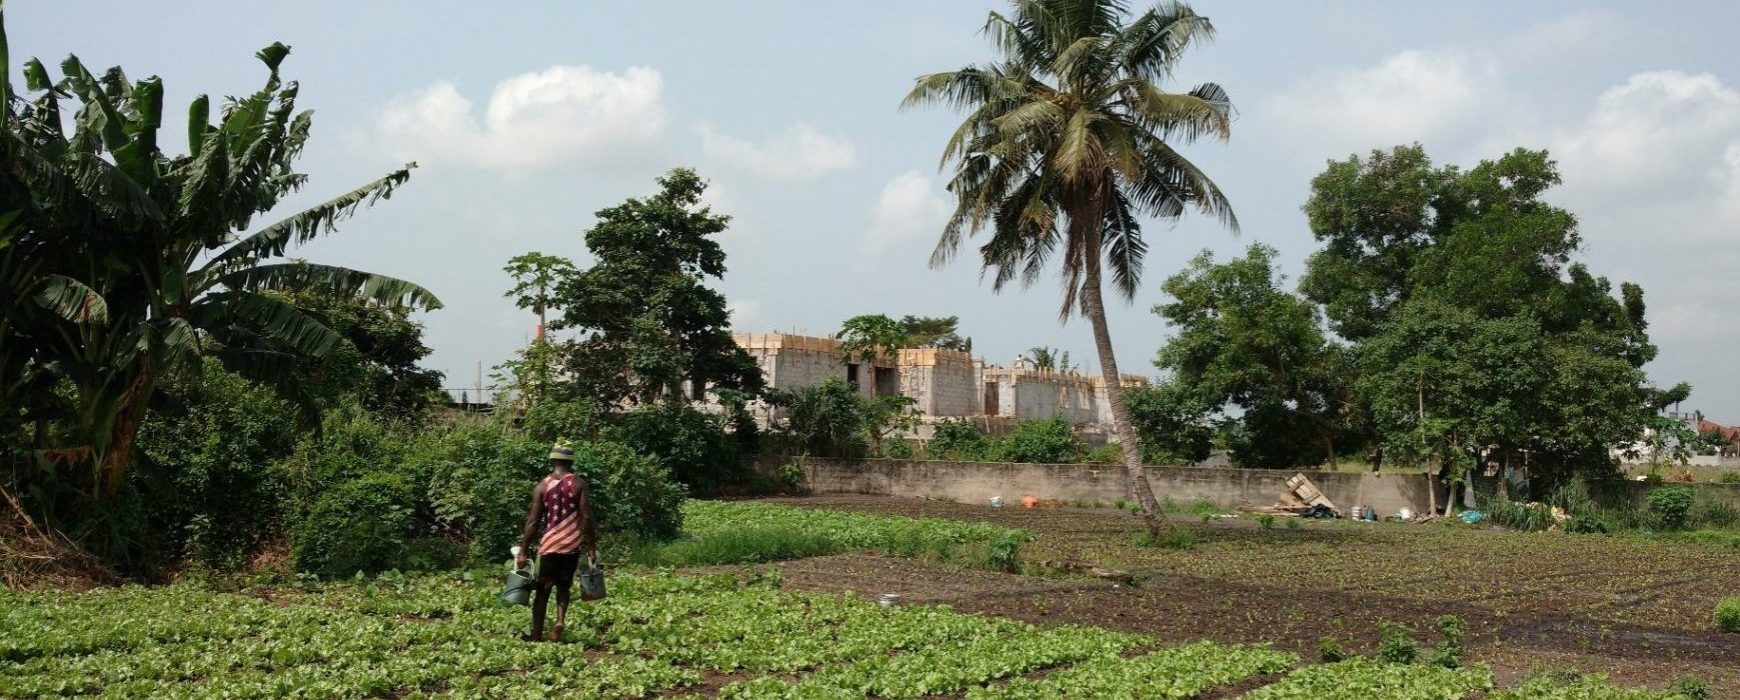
[[136, 263], [1067, 146]]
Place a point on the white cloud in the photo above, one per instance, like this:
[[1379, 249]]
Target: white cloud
[[1549, 44], [532, 119], [1662, 135], [799, 152], [912, 207], [743, 311], [1410, 96]]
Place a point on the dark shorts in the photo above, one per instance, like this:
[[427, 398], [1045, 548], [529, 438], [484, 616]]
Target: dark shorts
[[557, 568]]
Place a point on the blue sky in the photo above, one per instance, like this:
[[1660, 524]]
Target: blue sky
[[527, 117]]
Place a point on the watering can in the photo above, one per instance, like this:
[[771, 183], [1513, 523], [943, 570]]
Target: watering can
[[520, 583], [592, 582]]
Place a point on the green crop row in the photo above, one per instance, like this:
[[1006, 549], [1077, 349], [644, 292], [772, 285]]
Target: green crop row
[[447, 636]]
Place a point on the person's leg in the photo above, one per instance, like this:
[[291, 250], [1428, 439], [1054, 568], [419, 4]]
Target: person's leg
[[540, 603], [562, 592]]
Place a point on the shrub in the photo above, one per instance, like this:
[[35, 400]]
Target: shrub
[[1669, 506], [1396, 643], [1168, 537], [1051, 441], [1585, 523], [829, 419], [362, 525], [1728, 615], [693, 446], [479, 477], [1713, 512], [1293, 523], [1691, 688], [209, 467], [1330, 650], [548, 421], [1448, 653], [1732, 477], [958, 440], [1267, 521], [897, 449], [1110, 453]]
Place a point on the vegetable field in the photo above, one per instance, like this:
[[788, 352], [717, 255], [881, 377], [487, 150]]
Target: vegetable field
[[446, 636]]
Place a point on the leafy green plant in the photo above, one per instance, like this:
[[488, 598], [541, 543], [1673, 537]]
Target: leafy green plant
[[1050, 441], [1168, 537], [1728, 615], [1360, 677], [897, 449], [1729, 477], [958, 440], [1448, 653], [1266, 521], [1669, 506], [1293, 523], [1330, 650], [1396, 643]]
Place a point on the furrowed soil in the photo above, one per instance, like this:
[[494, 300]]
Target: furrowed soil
[[1636, 609]]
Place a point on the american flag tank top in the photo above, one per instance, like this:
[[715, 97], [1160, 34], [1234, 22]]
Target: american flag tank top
[[561, 516]]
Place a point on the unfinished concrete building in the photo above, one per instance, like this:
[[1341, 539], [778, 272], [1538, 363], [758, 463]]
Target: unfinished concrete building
[[943, 383]]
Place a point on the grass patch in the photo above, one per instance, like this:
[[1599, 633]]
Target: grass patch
[[751, 533]]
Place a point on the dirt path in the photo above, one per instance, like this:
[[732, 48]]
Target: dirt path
[[1589, 624]]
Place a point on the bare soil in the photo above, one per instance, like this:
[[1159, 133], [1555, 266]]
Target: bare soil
[[1635, 609]]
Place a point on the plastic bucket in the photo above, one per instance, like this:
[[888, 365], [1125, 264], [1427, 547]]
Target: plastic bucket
[[518, 590]]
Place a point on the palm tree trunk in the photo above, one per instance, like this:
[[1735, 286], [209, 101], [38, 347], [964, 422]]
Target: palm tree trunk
[[1094, 306]]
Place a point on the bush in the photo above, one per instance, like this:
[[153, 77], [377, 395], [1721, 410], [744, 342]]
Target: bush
[[208, 470], [364, 524], [958, 440], [1448, 653], [1587, 524], [1669, 506], [1732, 477], [1396, 643], [1110, 453], [1728, 615], [630, 493], [1713, 512], [1330, 650], [548, 421], [1267, 521], [897, 449], [829, 419], [479, 478], [693, 446], [1168, 537], [1051, 441]]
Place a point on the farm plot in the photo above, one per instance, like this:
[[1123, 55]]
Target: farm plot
[[446, 636], [1637, 609]]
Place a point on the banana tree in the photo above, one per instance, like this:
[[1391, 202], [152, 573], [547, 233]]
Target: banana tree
[[144, 265]]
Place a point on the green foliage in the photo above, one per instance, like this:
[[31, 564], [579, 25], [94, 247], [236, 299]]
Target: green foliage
[[1242, 342], [1731, 477], [1051, 441], [958, 440], [1179, 672], [1728, 615], [1109, 453], [1396, 643], [722, 533], [1576, 686], [209, 475], [1331, 650], [1669, 506], [131, 264], [898, 449], [1448, 652], [1266, 521], [375, 362], [1175, 537], [1368, 678], [648, 326], [829, 419], [691, 445], [876, 335], [363, 524], [1174, 426]]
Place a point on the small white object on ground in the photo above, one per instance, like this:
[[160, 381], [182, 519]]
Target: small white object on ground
[[888, 600]]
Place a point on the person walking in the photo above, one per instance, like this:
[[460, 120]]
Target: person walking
[[561, 509]]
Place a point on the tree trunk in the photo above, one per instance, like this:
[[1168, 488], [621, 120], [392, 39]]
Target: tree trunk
[[1094, 306], [1503, 488], [125, 430]]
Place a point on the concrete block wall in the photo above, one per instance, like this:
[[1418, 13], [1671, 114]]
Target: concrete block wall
[[976, 482]]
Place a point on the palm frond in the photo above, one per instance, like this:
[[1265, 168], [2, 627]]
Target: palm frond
[[337, 281], [323, 218]]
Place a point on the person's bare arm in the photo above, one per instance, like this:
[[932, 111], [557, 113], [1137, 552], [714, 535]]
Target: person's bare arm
[[533, 513], [588, 527]]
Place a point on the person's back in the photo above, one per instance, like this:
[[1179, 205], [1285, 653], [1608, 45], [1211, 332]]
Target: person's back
[[562, 510]]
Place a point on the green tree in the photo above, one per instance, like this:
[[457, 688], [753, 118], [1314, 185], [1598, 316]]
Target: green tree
[[648, 325], [871, 337], [1049, 358], [828, 419], [535, 277], [377, 359], [1068, 144], [137, 256], [1242, 341], [935, 332], [1174, 426], [1479, 337]]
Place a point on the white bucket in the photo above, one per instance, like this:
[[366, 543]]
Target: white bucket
[[996, 501], [888, 600]]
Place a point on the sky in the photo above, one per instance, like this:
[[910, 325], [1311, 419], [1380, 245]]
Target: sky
[[527, 117]]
